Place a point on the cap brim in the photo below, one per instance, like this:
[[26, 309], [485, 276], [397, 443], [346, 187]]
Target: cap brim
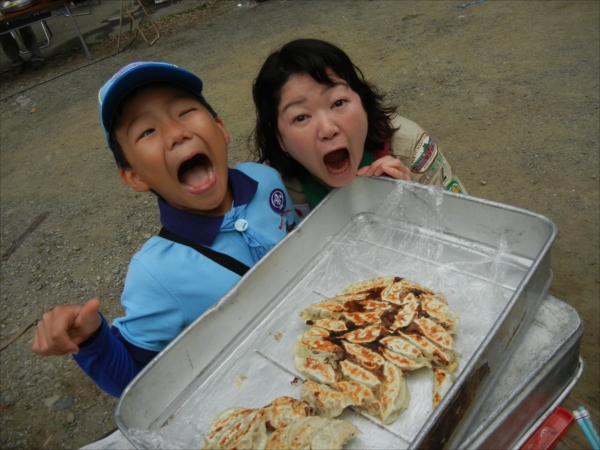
[[147, 73]]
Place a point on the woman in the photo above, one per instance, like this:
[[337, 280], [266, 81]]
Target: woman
[[320, 124]]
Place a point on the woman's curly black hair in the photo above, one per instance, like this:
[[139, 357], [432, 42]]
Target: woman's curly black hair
[[315, 58]]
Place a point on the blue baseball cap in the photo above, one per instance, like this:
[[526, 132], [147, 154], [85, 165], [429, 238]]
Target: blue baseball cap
[[137, 74]]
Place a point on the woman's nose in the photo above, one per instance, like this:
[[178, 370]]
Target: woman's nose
[[328, 129]]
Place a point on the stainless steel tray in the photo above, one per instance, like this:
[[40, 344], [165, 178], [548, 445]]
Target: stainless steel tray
[[492, 261], [539, 375]]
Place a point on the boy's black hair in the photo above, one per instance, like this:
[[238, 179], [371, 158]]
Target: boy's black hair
[[118, 114], [312, 57]]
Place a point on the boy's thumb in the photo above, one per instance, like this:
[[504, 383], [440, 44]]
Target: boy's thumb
[[89, 312]]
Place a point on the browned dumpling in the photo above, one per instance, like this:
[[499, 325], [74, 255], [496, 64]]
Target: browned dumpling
[[284, 410], [312, 433], [237, 428], [316, 369], [442, 382], [394, 396], [370, 337], [326, 401], [322, 310]]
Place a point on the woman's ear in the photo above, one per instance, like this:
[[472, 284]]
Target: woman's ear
[[281, 144], [133, 180]]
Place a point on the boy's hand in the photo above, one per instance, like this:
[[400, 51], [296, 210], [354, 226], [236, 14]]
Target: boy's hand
[[63, 328], [388, 165]]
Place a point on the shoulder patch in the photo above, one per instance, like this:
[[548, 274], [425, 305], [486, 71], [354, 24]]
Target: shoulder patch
[[277, 200], [454, 186], [436, 165], [425, 154]]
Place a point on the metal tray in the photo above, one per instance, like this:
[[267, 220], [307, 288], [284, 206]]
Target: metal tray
[[540, 374], [492, 261]]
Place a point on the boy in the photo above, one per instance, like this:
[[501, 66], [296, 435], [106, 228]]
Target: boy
[[217, 222]]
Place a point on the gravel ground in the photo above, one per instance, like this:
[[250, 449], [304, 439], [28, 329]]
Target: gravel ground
[[509, 91]]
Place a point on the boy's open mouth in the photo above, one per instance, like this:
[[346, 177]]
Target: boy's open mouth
[[337, 161], [196, 171]]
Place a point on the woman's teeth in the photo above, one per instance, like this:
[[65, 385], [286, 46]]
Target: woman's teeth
[[337, 161]]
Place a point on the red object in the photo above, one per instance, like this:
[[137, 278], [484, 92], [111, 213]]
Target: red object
[[551, 431]]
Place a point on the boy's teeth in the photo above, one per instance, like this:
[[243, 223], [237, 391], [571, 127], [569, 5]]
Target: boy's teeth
[[210, 173]]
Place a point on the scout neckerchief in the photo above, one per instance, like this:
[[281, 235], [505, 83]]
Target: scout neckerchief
[[316, 192]]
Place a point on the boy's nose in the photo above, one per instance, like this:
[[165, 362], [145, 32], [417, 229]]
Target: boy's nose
[[174, 133]]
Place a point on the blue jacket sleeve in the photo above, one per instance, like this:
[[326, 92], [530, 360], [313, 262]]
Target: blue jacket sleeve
[[110, 361]]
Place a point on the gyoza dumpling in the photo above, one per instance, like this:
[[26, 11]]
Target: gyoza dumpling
[[312, 433], [442, 382], [359, 395], [364, 318], [396, 292], [365, 305], [402, 362], [333, 435], [441, 357], [326, 401], [403, 316], [237, 428], [316, 333], [277, 440], [364, 335], [435, 333], [349, 297], [363, 356], [284, 410], [335, 325], [316, 369], [393, 395], [300, 432], [440, 312], [316, 348], [352, 372], [226, 419], [400, 347], [323, 310]]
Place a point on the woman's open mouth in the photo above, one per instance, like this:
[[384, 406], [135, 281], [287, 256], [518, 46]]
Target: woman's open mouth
[[337, 161], [196, 172]]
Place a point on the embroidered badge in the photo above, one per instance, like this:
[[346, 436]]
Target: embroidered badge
[[425, 154], [277, 200], [444, 177], [453, 186], [436, 165]]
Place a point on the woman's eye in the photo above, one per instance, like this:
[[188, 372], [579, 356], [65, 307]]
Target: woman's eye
[[339, 103], [300, 118]]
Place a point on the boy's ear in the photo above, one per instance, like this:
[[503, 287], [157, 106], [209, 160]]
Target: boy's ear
[[223, 129], [133, 180]]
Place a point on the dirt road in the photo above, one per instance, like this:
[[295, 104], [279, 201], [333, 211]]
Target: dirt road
[[508, 90]]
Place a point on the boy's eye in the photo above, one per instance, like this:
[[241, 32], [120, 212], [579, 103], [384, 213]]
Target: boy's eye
[[146, 133], [188, 111]]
